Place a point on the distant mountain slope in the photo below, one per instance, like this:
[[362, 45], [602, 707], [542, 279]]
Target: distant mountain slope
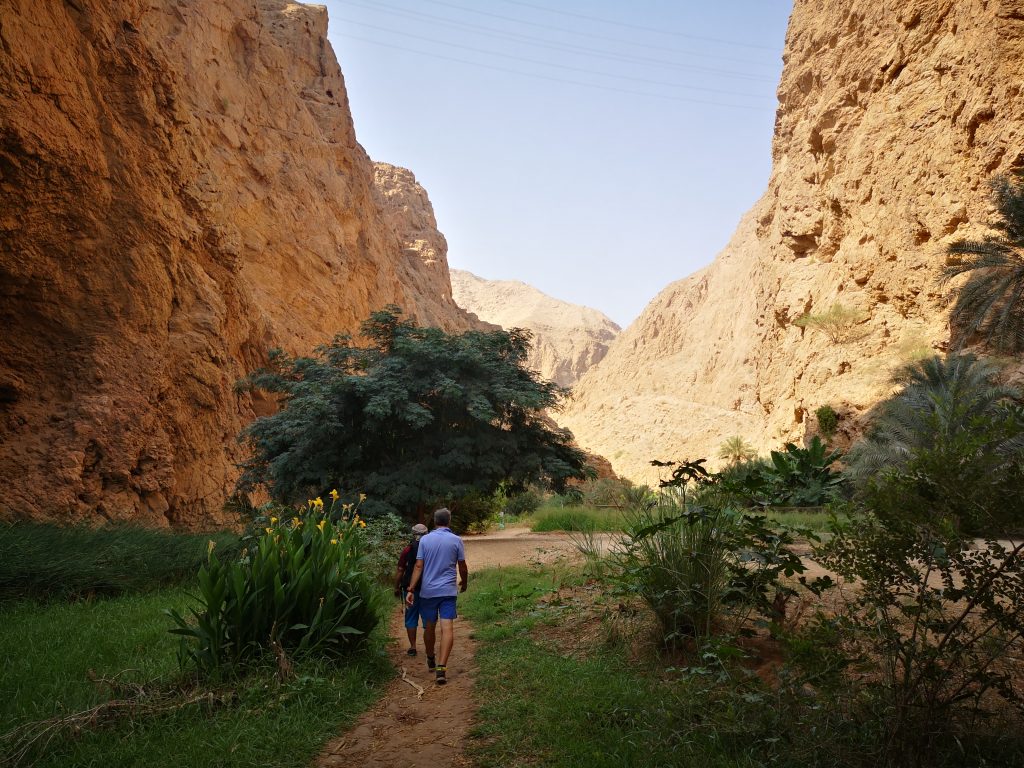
[[568, 338]]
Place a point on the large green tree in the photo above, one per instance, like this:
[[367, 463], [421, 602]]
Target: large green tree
[[990, 304], [412, 417]]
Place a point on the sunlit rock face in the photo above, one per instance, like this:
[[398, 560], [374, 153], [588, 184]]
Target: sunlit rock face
[[568, 339], [181, 190], [892, 118]]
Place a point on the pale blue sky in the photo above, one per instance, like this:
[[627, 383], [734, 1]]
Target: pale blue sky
[[596, 150]]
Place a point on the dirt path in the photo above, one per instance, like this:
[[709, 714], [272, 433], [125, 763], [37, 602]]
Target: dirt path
[[406, 729]]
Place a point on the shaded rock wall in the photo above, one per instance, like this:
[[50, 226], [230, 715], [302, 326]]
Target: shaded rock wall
[[893, 116], [180, 190]]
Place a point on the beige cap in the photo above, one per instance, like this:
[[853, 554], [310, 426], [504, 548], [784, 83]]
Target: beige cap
[[419, 529]]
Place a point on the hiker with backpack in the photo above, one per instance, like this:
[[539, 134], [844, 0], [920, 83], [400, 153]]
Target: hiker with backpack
[[403, 577]]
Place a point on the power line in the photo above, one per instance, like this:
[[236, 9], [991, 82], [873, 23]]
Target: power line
[[546, 43], [553, 79], [627, 25], [549, 64], [566, 30]]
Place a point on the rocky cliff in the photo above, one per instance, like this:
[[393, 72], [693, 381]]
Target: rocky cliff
[[567, 339], [180, 190], [892, 118]]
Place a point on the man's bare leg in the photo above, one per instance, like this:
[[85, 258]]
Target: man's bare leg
[[428, 638], [447, 640], [412, 637]]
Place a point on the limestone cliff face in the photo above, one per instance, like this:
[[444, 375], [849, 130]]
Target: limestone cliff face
[[893, 116], [180, 190], [423, 265], [567, 339]]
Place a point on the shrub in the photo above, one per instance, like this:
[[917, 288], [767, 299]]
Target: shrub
[[930, 634], [828, 420], [473, 512], [792, 477], [525, 503], [386, 536], [705, 568], [603, 491], [836, 323], [48, 561], [301, 588]]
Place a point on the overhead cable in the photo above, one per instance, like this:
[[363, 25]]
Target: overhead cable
[[482, 65], [538, 62]]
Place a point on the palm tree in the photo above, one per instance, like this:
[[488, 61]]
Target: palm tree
[[939, 398], [990, 305], [735, 450]]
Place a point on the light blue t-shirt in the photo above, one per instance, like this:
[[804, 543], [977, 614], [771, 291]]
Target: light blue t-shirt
[[439, 550]]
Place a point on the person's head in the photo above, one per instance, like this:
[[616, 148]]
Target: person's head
[[442, 517], [419, 529]]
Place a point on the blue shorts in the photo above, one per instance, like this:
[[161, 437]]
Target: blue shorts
[[412, 612], [430, 607]]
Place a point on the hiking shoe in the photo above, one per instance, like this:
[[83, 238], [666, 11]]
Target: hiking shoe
[[440, 671], [431, 664], [411, 652]]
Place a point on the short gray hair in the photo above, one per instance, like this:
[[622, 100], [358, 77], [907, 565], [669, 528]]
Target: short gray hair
[[442, 516]]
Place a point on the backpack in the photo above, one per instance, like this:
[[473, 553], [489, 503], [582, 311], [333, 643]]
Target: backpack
[[410, 564]]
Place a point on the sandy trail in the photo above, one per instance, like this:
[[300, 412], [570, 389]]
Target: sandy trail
[[407, 730], [404, 729]]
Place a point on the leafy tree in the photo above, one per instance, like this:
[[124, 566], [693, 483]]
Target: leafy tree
[[415, 417], [990, 305], [736, 449]]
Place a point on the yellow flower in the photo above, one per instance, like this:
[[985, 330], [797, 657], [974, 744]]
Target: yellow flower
[[269, 530], [309, 502], [334, 541], [318, 502], [296, 522], [321, 525], [273, 520], [346, 507], [335, 494], [362, 524], [362, 497]]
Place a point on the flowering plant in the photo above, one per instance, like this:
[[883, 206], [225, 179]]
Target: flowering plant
[[300, 585]]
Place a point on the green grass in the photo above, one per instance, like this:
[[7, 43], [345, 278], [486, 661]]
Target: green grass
[[555, 518], [50, 651], [47, 561], [539, 707], [816, 520]]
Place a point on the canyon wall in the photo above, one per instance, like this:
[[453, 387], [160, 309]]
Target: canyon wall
[[893, 116], [181, 190], [568, 339]]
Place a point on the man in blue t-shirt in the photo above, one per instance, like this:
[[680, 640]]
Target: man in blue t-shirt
[[439, 553]]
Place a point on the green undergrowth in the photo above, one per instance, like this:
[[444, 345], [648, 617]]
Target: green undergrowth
[[540, 707], [597, 704], [576, 519], [51, 562], [57, 659]]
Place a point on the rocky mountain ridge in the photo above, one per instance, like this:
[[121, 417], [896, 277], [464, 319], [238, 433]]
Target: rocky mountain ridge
[[568, 339], [892, 118], [181, 190]]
